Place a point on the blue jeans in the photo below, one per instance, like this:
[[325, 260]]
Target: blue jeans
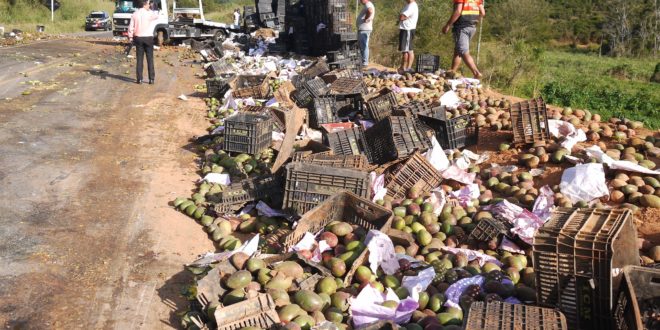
[[363, 40]]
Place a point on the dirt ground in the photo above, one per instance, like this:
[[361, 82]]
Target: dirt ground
[[89, 161]]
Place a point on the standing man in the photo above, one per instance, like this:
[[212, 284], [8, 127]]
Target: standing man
[[467, 14], [365, 24], [407, 25], [237, 16], [140, 32]]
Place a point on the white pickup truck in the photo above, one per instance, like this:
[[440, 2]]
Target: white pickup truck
[[184, 23]]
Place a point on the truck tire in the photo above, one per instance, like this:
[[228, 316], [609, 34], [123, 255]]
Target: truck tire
[[160, 38], [219, 36]]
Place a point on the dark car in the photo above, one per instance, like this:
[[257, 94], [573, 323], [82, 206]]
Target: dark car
[[98, 20]]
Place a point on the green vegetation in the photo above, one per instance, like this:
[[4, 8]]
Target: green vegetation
[[609, 86], [27, 14]]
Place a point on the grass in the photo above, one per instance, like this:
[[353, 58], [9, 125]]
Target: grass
[[609, 86], [26, 15], [222, 11]]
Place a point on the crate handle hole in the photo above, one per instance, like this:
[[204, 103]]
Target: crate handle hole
[[655, 280]]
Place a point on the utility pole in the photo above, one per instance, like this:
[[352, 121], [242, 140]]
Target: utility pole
[[52, 10]]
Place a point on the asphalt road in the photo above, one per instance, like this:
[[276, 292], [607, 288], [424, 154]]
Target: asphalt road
[[88, 162], [93, 34]]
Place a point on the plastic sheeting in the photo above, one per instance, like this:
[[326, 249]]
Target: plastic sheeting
[[584, 182]]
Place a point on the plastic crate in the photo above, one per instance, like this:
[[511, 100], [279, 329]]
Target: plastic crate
[[577, 258], [345, 85], [276, 114], [347, 207], [307, 185], [346, 36], [357, 162], [427, 63], [256, 312], [308, 90], [498, 315], [234, 196], [332, 76], [416, 172], [639, 296], [324, 111], [218, 68], [380, 107], [348, 142], [487, 229], [355, 64], [529, 121], [458, 132], [219, 85], [395, 138], [338, 55], [415, 108], [247, 133], [316, 69], [255, 86], [348, 103]]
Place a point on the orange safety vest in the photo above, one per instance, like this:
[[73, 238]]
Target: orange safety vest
[[470, 7]]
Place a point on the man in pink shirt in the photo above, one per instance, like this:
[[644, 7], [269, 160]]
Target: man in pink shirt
[[140, 32]]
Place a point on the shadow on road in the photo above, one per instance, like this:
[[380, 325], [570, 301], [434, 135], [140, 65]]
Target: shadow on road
[[105, 75], [170, 295], [107, 42]]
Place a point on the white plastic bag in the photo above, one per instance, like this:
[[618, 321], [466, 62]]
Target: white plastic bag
[[584, 182]]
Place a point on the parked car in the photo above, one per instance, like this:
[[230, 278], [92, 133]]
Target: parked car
[[98, 20]]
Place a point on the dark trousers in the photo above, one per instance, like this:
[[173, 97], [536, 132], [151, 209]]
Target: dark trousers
[[144, 45]]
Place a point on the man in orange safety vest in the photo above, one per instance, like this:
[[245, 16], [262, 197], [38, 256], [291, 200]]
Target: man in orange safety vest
[[467, 14]]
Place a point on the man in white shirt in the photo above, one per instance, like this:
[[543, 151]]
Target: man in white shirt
[[237, 16], [365, 24], [407, 25]]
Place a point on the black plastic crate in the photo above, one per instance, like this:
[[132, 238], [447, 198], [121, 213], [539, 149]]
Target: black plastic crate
[[348, 104], [380, 107], [217, 87], [316, 69], [346, 85], [355, 64], [427, 63], [415, 108], [218, 68], [490, 228], [338, 55], [394, 138], [307, 91], [333, 75], [247, 133], [458, 132], [347, 142], [324, 111], [308, 185], [638, 298], [577, 258], [234, 196]]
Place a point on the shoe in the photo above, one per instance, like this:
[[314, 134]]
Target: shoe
[[151, 81], [139, 82]]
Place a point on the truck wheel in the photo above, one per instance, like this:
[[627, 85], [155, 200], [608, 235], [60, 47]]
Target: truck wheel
[[219, 36], [160, 38]]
